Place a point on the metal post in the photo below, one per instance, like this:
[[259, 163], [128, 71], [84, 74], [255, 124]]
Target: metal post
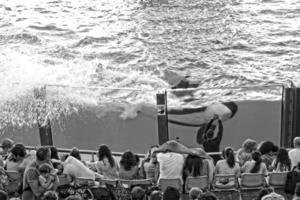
[[162, 117], [43, 120], [287, 116]]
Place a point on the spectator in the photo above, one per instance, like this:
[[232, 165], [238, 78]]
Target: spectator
[[107, 165], [47, 176], [129, 168], [282, 162], [74, 197], [138, 193], [3, 195], [32, 190], [297, 192], [294, 153], [273, 196], [171, 193], [194, 193], [50, 195], [195, 166], [156, 195], [7, 144], [228, 165], [244, 153], [255, 165], [268, 151], [15, 158], [149, 166], [207, 196], [54, 153], [263, 192]]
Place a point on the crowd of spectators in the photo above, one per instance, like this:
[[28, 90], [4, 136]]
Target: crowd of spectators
[[39, 169]]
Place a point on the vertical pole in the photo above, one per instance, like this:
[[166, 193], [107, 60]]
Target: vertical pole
[[287, 116], [162, 117], [296, 109], [43, 120]]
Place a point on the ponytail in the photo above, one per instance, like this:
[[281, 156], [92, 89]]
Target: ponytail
[[229, 156], [256, 156]]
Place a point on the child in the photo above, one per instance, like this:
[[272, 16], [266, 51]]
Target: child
[[47, 176]]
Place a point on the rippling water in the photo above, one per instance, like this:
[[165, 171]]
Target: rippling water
[[144, 45]]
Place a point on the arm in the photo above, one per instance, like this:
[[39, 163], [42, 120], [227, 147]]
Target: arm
[[32, 179]]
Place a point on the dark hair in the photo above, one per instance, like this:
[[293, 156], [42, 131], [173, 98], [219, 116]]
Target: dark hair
[[54, 153], [147, 159], [207, 196], [104, 152], [256, 156], [3, 195], [171, 193], [156, 195], [267, 147], [228, 154], [283, 158], [75, 153], [7, 143], [264, 192], [193, 164], [50, 195], [128, 160], [138, 193], [45, 168], [42, 153], [18, 150]]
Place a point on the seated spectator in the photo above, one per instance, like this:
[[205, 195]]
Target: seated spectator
[[207, 196], [263, 192], [294, 153], [107, 164], [50, 195], [244, 153], [149, 167], [195, 166], [3, 195], [31, 188], [129, 168], [155, 195], [138, 193], [76, 154], [171, 193], [228, 165], [54, 153], [268, 152], [194, 193], [297, 192], [282, 162], [74, 168], [7, 144], [255, 165], [47, 176], [15, 157]]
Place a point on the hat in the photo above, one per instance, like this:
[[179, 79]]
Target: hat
[[272, 196]]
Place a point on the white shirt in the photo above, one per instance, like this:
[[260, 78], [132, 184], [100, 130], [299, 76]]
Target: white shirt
[[294, 155], [76, 169], [170, 165]]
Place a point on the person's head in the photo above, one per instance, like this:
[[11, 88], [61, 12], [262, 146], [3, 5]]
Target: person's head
[[3, 195], [193, 164], [54, 153], [256, 156], [45, 169], [207, 196], [7, 144], [128, 160], [210, 133], [267, 147], [74, 197], [194, 193], [228, 154], [59, 166], [105, 152], [18, 152], [273, 196], [43, 154], [296, 142], [50, 195], [75, 153], [249, 145], [138, 193], [283, 157], [156, 195], [171, 193]]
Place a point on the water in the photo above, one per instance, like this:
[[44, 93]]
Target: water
[[144, 45]]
